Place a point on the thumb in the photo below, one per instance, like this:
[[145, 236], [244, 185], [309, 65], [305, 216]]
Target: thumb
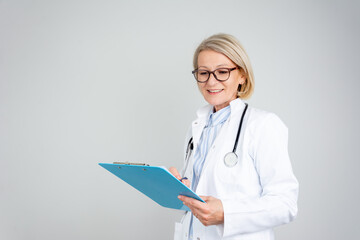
[[186, 182], [174, 172]]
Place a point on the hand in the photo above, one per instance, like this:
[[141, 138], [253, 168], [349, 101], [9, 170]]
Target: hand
[[176, 174], [209, 213]]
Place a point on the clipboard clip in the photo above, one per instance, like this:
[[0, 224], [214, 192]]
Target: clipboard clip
[[129, 163]]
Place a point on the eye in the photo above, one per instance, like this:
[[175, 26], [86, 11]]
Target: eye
[[222, 71], [202, 73]]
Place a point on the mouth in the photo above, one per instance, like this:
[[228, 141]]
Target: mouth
[[214, 91]]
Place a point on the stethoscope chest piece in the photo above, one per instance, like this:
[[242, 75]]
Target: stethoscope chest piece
[[230, 159]]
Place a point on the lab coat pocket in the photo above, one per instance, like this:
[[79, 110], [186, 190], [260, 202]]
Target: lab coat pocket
[[239, 176], [228, 175]]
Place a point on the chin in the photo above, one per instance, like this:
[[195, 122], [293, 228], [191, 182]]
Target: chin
[[215, 102]]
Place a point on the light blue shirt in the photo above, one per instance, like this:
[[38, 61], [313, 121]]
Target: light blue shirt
[[211, 130], [215, 122]]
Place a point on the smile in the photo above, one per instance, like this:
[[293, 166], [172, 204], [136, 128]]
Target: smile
[[215, 91]]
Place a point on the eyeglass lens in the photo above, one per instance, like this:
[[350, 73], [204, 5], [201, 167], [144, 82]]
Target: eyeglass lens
[[220, 74]]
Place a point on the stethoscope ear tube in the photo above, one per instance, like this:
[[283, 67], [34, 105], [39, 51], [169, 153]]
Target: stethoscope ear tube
[[239, 129]]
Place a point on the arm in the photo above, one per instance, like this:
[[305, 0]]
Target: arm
[[277, 203]]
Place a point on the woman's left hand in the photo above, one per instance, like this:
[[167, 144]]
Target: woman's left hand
[[209, 213]]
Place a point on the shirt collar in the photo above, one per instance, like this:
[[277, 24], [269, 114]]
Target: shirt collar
[[219, 117], [236, 107]]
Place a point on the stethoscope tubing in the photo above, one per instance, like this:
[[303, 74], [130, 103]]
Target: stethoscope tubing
[[190, 145], [239, 129]]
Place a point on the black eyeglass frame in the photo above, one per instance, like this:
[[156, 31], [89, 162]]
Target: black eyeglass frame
[[213, 73]]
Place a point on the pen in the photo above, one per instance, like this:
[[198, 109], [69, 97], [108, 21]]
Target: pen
[[184, 178]]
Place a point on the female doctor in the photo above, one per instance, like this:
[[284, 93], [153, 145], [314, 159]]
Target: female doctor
[[236, 156]]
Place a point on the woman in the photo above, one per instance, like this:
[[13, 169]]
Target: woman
[[246, 194]]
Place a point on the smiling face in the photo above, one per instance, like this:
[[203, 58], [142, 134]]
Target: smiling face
[[219, 94]]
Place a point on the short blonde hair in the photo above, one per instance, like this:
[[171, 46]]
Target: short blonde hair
[[231, 48]]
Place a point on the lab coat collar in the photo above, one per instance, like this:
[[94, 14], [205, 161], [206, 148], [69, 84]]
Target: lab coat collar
[[236, 107], [204, 112]]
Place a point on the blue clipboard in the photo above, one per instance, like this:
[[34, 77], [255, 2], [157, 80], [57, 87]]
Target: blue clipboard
[[155, 182]]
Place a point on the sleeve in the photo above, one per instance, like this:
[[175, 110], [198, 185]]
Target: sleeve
[[278, 202]]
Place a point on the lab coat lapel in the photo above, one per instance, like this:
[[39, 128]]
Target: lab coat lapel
[[213, 153], [228, 131], [199, 124]]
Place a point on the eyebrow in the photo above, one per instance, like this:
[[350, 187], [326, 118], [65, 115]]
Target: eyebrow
[[224, 65], [221, 65]]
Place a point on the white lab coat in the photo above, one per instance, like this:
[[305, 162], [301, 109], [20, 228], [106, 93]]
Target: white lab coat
[[259, 192]]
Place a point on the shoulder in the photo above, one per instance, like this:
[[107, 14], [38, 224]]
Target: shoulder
[[266, 133], [260, 120]]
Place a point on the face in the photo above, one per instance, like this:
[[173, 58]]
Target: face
[[219, 94]]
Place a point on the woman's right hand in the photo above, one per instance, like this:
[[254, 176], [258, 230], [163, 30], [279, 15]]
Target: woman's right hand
[[176, 174]]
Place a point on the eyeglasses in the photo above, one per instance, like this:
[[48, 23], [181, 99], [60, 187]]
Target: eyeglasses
[[220, 74]]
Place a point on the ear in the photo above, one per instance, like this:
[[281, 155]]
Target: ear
[[242, 76]]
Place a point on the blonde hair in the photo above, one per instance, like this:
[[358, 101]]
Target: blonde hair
[[231, 48]]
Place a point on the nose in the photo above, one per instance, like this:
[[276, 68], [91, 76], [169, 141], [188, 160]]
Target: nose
[[212, 80]]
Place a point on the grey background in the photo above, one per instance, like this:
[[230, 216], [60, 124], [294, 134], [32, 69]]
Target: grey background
[[83, 82]]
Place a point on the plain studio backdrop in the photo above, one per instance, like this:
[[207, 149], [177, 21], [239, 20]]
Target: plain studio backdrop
[[83, 82]]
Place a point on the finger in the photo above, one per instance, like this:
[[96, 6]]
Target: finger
[[175, 172], [183, 198], [206, 198], [194, 211], [186, 182], [188, 201], [185, 201], [193, 203]]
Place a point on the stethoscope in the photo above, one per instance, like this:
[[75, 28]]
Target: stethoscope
[[231, 158]]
